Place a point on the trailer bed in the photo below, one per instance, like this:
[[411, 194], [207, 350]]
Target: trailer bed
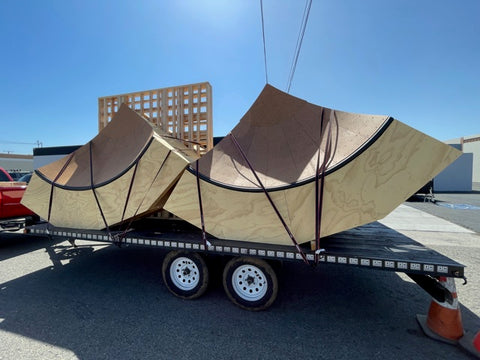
[[370, 246]]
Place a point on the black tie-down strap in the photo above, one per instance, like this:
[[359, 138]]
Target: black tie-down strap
[[50, 201], [92, 187], [277, 212], [206, 243], [126, 229], [320, 179], [117, 238], [130, 187]]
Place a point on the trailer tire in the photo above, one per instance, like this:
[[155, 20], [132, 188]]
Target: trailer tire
[[250, 283], [185, 274]]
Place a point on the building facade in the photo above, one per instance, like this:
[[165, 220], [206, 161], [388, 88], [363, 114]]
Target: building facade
[[16, 163], [471, 144]]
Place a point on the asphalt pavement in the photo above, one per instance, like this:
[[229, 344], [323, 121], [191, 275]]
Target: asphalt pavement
[[98, 301], [460, 208]]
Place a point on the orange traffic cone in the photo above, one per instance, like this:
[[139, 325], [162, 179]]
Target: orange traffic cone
[[471, 343], [444, 320]]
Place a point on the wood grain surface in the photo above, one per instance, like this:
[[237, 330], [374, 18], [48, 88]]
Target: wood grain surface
[[123, 191], [366, 189]]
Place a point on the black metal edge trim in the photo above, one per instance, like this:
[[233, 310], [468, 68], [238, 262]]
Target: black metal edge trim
[[83, 188], [338, 166]]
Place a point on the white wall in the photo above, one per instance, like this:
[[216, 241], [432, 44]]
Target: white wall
[[47, 155], [457, 176], [473, 147], [39, 161], [16, 164]]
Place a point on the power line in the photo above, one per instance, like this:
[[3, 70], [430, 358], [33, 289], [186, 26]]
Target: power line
[[38, 143], [264, 46], [298, 46], [15, 142]]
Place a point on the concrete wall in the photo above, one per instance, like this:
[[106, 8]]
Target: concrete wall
[[457, 176]]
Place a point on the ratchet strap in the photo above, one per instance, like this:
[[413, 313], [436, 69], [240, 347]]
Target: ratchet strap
[[144, 196], [320, 179], [206, 243], [129, 191], [92, 187], [62, 170], [277, 212]]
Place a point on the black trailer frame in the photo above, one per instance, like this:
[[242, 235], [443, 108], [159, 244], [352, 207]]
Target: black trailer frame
[[370, 246], [373, 246]]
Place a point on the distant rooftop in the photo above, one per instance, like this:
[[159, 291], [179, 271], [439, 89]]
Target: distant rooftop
[[15, 156], [464, 139], [55, 150]]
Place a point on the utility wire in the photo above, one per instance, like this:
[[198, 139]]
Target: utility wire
[[16, 142], [298, 46], [264, 46]]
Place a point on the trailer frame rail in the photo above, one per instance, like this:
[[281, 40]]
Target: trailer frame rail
[[373, 246]]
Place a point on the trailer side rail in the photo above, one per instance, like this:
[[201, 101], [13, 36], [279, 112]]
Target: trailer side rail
[[371, 246]]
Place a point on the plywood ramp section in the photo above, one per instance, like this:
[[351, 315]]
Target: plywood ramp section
[[126, 171], [375, 164]]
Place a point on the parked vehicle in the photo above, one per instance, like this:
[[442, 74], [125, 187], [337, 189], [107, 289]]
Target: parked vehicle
[[13, 215], [25, 178], [5, 176], [16, 175]]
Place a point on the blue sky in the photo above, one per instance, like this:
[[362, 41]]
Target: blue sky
[[418, 61]]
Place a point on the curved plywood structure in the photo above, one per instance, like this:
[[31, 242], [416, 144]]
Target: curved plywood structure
[[372, 164], [126, 171]]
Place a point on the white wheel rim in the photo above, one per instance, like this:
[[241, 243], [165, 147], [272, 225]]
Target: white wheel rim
[[249, 282], [184, 273]]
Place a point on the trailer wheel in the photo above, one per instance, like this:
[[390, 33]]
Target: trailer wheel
[[185, 274], [250, 283]]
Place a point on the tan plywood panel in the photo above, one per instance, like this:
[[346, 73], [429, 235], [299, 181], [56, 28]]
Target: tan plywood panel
[[377, 164], [75, 209], [37, 189], [134, 167]]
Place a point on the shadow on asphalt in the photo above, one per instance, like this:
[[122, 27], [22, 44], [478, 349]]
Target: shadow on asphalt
[[15, 244], [112, 304]]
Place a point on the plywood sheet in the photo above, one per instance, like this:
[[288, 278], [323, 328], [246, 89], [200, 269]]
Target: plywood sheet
[[282, 137], [378, 163], [130, 167]]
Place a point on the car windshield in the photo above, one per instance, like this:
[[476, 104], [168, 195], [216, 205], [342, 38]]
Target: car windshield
[[25, 178]]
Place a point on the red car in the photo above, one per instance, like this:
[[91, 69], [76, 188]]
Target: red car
[[11, 211]]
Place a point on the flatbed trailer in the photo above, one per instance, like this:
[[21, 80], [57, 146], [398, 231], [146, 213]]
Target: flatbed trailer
[[249, 278]]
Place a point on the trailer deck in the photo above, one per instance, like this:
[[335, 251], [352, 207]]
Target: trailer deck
[[370, 246]]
